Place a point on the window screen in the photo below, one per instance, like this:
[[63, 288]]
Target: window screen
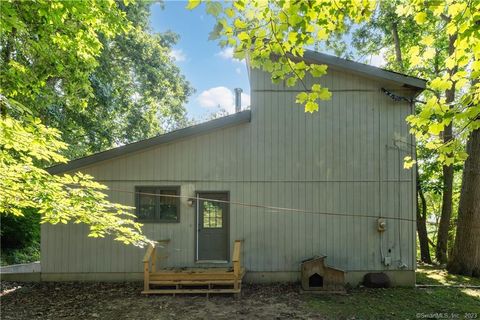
[[156, 204]]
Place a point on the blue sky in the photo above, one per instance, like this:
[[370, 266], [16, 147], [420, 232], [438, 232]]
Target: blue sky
[[211, 71]]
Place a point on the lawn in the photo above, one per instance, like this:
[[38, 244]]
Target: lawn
[[406, 303], [115, 301]]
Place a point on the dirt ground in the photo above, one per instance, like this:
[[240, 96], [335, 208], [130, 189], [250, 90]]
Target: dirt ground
[[124, 301]]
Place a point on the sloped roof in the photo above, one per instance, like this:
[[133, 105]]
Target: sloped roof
[[315, 57], [227, 121]]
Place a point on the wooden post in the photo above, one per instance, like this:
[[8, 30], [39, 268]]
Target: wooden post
[[146, 262], [236, 264], [146, 277], [154, 259]]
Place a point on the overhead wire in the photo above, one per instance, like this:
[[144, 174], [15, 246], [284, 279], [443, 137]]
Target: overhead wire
[[261, 206]]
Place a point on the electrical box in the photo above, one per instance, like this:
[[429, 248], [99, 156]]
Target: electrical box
[[387, 261]]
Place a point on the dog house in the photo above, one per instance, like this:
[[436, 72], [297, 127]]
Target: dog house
[[317, 276]]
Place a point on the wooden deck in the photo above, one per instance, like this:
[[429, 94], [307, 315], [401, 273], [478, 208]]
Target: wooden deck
[[192, 280]]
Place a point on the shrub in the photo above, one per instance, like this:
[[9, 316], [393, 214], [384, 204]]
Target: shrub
[[20, 232]]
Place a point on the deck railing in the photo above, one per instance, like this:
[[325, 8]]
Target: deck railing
[[192, 280], [150, 262], [237, 269]]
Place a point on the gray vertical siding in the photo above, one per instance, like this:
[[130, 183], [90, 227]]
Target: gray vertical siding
[[339, 160]]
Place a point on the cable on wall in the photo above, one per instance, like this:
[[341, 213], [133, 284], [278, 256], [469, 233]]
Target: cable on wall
[[396, 97]]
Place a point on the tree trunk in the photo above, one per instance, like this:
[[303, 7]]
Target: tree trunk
[[444, 228], [396, 40], [465, 259], [422, 223]]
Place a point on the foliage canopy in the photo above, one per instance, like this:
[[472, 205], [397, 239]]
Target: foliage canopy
[[86, 72], [92, 69], [59, 199]]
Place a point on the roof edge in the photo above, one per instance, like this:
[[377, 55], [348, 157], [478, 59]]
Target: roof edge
[[227, 121], [363, 69]]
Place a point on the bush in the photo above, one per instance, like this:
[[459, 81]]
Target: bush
[[20, 232], [20, 238], [23, 255]]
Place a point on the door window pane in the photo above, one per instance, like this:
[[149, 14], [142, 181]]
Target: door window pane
[[212, 215]]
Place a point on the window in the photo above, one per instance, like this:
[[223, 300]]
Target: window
[[212, 215], [155, 204]]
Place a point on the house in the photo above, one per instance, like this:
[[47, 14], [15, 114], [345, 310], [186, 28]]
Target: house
[[291, 185]]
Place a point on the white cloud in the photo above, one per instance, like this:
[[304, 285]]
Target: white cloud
[[178, 55], [238, 70], [227, 54], [217, 96], [221, 96], [245, 100], [378, 60]]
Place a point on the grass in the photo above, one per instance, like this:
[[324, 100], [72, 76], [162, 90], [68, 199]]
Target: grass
[[405, 303], [433, 275]]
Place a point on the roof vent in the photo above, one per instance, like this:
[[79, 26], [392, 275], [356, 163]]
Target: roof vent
[[238, 99]]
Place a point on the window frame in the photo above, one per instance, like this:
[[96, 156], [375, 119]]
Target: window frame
[[158, 190]]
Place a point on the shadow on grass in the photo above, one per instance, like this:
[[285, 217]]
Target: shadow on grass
[[428, 274], [404, 303]]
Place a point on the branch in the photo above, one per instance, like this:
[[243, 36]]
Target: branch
[[285, 54]]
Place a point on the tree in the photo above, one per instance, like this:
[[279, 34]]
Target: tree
[[49, 50], [69, 198], [466, 251], [138, 91], [460, 22], [397, 35], [281, 30], [92, 69]]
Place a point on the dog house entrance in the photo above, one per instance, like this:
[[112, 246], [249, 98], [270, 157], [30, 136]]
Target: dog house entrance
[[317, 276], [315, 281]]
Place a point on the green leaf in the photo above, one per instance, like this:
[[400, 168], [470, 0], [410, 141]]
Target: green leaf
[[322, 34], [318, 70], [291, 81], [243, 36], [192, 4], [421, 17], [440, 84], [324, 94], [229, 12], [311, 106], [436, 128], [316, 87], [302, 97], [239, 24], [214, 8], [462, 155], [408, 162]]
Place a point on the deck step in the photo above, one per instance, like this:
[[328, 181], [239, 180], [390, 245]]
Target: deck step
[[192, 277], [174, 291], [191, 282]]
